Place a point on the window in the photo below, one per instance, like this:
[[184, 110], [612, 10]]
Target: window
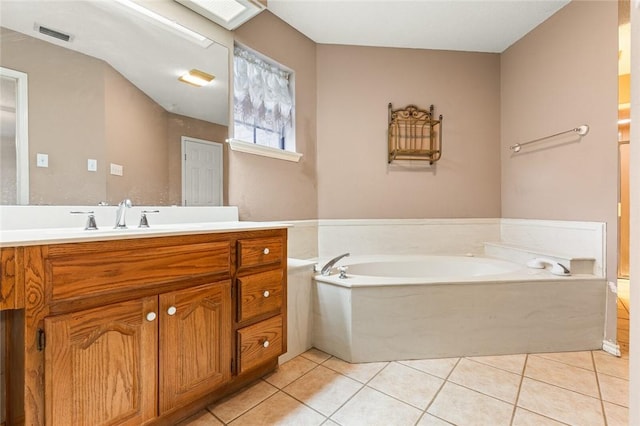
[[263, 112]]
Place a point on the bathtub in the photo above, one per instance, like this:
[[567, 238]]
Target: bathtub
[[391, 308]]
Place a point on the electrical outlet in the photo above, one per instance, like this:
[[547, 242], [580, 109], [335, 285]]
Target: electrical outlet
[[116, 169], [42, 160], [92, 165]]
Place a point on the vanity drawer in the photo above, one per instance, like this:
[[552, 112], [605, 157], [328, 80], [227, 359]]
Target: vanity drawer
[[259, 251], [91, 273], [259, 294], [259, 342]]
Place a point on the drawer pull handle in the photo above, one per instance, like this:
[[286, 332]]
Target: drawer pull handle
[[265, 344], [151, 316], [172, 310], [266, 293], [266, 250]]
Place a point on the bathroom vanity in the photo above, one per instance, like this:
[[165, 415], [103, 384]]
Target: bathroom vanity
[[140, 330]]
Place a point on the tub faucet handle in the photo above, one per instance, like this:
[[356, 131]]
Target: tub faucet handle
[[343, 272]]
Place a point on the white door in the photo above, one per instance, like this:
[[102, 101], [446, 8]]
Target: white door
[[201, 172], [14, 138]]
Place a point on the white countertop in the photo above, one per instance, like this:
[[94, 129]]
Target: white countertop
[[30, 237]]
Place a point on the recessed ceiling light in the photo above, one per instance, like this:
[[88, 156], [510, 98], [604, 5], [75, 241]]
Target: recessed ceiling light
[[196, 78]]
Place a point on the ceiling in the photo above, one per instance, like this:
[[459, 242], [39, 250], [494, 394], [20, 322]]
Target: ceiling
[[464, 25]]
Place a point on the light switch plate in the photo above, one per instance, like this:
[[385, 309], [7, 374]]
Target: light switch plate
[[92, 165], [42, 160], [116, 169]]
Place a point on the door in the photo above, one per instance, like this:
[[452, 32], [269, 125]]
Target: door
[[101, 365], [14, 138], [202, 172], [195, 342]]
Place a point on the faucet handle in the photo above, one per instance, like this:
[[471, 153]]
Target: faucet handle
[[144, 222], [343, 272], [91, 220]]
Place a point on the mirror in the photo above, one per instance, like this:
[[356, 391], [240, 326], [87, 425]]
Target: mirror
[[106, 111]]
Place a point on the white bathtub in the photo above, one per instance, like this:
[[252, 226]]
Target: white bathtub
[[412, 307]]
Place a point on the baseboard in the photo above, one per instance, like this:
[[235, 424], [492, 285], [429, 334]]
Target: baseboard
[[610, 347]]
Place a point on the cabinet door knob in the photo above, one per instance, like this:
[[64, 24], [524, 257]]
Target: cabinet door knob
[[172, 310], [266, 293], [266, 250], [151, 316], [265, 344]]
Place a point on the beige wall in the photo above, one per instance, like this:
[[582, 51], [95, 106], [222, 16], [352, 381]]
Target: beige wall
[[265, 188], [66, 118], [561, 75], [136, 138], [355, 85]]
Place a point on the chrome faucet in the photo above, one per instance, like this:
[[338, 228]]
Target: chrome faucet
[[326, 269], [121, 214]]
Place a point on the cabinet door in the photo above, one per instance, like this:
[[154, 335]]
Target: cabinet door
[[195, 342], [100, 365]]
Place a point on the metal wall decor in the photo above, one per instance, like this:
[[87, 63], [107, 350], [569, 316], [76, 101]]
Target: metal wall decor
[[414, 134]]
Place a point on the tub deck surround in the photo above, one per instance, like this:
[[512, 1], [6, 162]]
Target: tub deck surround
[[515, 253], [367, 318], [405, 236]]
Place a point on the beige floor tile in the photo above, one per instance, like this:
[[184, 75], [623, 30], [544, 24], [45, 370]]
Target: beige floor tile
[[611, 365], [203, 418], [560, 404], [316, 355], [241, 402], [323, 389], [616, 415], [407, 384], [290, 371], [527, 418], [429, 420], [489, 380], [462, 406], [360, 372], [614, 389], [563, 375], [330, 422], [441, 367], [577, 359], [372, 408], [512, 363], [280, 409]]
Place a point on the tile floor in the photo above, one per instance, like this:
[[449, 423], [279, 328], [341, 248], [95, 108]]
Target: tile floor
[[571, 388]]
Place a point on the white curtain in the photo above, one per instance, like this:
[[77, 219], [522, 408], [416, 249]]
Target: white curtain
[[261, 92]]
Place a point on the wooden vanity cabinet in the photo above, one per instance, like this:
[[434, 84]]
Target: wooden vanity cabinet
[[148, 331], [11, 287]]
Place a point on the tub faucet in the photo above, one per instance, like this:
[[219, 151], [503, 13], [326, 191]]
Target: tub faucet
[[326, 269], [121, 214]]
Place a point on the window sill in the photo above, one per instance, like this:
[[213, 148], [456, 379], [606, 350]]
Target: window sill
[[265, 151]]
